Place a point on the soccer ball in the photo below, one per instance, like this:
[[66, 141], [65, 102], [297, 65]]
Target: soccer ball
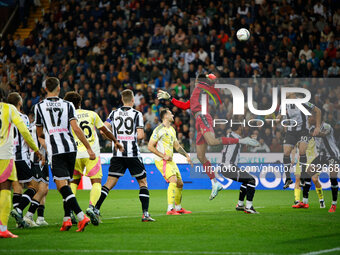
[[243, 34]]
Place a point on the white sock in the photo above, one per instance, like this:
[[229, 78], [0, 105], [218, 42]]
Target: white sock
[[240, 203], [40, 218], [178, 207], [66, 218], [3, 228], [29, 215], [18, 210], [213, 181], [321, 200], [170, 207], [249, 204], [80, 216], [334, 202], [305, 200]]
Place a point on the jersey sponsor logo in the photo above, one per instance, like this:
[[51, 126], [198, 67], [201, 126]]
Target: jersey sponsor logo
[[58, 130], [125, 138]]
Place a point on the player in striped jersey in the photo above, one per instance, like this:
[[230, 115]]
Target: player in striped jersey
[[298, 134], [55, 117], [88, 122], [9, 116], [162, 143], [25, 172], [128, 126], [328, 157]]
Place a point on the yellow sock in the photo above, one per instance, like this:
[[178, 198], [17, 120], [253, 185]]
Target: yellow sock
[[319, 192], [5, 202], [74, 188], [178, 196], [171, 193], [95, 193], [297, 193]]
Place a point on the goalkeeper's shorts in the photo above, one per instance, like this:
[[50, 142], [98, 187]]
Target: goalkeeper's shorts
[[204, 124]]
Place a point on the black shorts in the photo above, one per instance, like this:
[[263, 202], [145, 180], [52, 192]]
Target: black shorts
[[62, 165], [293, 137], [118, 166], [41, 174], [321, 162], [24, 171], [234, 173]]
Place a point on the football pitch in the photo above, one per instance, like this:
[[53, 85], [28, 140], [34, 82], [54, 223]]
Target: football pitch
[[214, 227]]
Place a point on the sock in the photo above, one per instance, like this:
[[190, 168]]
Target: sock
[[213, 181], [70, 199], [144, 198], [229, 140], [306, 189], [243, 192], [5, 206], [95, 193], [34, 206], [40, 211], [297, 194], [208, 170], [170, 207], [80, 216], [16, 199], [67, 210], [240, 203], [286, 165], [29, 214], [178, 198], [250, 190], [249, 204], [334, 187], [105, 191], [74, 188], [3, 228], [26, 198], [319, 192], [171, 193], [303, 165]]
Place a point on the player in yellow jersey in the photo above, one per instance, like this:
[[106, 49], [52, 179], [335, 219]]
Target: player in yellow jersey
[[162, 142], [311, 154], [88, 122], [9, 116]]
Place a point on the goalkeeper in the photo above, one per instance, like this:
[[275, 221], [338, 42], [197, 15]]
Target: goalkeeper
[[204, 125]]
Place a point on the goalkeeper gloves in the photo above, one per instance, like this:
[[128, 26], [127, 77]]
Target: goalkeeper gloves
[[249, 141], [163, 95]]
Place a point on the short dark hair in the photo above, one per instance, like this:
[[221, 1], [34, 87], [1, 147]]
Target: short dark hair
[[74, 98], [163, 112], [235, 127], [127, 95], [52, 83], [14, 98]]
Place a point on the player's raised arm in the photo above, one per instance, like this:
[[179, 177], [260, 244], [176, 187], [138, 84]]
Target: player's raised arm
[[317, 114], [182, 105]]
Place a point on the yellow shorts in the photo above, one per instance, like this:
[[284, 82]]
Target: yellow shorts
[[93, 168], [298, 167], [168, 169], [8, 170]]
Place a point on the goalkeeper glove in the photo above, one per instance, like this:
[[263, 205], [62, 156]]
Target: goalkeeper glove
[[163, 95], [249, 141]]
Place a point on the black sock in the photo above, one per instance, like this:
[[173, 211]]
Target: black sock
[[251, 189], [70, 201], [286, 165], [303, 162], [144, 198], [16, 199], [34, 206], [335, 188], [243, 191], [26, 198], [306, 188], [103, 195], [41, 210]]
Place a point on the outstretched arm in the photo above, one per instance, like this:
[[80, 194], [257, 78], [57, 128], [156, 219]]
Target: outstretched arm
[[180, 104]]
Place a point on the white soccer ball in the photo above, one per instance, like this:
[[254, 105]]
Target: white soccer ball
[[243, 34]]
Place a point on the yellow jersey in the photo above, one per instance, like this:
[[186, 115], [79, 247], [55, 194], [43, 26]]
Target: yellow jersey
[[165, 138], [88, 121], [9, 115]]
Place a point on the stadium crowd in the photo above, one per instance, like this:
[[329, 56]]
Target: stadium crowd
[[99, 48]]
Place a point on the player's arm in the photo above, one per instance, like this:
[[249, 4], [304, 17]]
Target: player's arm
[[140, 133], [140, 126], [80, 134], [317, 114], [181, 151], [165, 95], [152, 148]]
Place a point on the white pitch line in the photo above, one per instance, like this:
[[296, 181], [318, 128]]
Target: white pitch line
[[322, 251], [135, 252]]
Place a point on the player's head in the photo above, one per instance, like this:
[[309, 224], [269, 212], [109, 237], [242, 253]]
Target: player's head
[[237, 128], [166, 115], [209, 79], [52, 85], [74, 98], [15, 99], [127, 97]]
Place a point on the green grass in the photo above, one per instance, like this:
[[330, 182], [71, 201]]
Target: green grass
[[214, 227]]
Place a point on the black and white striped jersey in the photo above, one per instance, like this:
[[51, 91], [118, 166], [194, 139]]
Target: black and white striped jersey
[[294, 113], [54, 115], [33, 131], [21, 149], [326, 146], [231, 152], [125, 121]]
